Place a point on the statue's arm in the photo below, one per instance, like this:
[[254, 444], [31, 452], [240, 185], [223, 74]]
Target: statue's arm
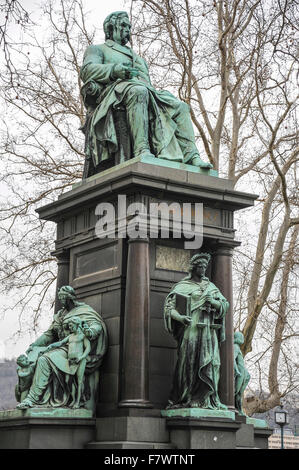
[[240, 361], [184, 319], [87, 347], [93, 67], [57, 344], [44, 340], [147, 75], [236, 355], [92, 329], [172, 314], [217, 301]]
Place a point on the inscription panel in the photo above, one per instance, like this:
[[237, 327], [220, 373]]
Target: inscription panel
[[96, 260], [211, 215], [173, 259]]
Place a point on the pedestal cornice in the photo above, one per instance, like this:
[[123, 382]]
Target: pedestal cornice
[[151, 180]]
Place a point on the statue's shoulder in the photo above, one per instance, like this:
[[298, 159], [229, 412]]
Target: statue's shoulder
[[210, 284], [94, 50], [82, 308], [182, 285], [57, 315]]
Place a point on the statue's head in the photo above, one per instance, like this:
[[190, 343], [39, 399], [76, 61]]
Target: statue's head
[[65, 294], [199, 263], [117, 27], [238, 337], [74, 324], [23, 360]]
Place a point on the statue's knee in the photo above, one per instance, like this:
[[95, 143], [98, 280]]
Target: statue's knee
[[138, 91], [41, 361], [184, 107]]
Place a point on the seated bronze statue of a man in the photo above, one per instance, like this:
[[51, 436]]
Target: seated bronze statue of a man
[[115, 77]]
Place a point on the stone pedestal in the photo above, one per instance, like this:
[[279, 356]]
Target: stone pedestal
[[127, 282], [203, 434], [40, 428], [261, 432], [192, 428], [131, 432], [252, 434]]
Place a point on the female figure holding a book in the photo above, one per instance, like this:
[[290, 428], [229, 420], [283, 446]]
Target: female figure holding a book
[[194, 314]]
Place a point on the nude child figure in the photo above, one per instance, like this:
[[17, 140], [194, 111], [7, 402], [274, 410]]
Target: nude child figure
[[78, 350]]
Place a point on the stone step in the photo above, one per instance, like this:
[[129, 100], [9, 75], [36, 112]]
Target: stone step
[[128, 445]]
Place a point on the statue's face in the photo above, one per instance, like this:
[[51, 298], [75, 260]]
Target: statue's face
[[63, 298], [72, 327], [122, 30], [200, 270], [23, 361], [239, 338]]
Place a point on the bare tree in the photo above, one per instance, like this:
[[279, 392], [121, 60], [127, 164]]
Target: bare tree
[[11, 13], [42, 147], [235, 63]]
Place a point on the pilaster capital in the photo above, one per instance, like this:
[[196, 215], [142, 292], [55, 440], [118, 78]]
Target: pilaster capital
[[138, 240], [63, 256]]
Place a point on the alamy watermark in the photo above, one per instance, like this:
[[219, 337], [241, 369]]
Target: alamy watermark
[[153, 220]]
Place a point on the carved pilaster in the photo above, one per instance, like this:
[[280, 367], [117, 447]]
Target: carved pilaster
[[222, 278], [135, 361], [63, 268]]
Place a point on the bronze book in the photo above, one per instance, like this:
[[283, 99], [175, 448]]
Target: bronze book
[[183, 304]]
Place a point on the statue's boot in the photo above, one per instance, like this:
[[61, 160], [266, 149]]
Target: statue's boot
[[197, 161], [137, 99], [185, 136], [25, 404]]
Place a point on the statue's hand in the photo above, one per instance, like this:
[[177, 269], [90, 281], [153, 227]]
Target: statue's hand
[[124, 72], [210, 302], [29, 349], [87, 331], [49, 348], [186, 320], [74, 360]]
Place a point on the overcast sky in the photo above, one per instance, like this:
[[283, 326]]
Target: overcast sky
[[99, 9]]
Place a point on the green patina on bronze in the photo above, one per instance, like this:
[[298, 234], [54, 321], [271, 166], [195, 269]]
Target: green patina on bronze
[[197, 413], [257, 423], [151, 161], [46, 412], [194, 314], [241, 374], [60, 365], [115, 77]]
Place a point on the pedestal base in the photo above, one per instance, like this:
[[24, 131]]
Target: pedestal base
[[253, 433], [42, 428], [131, 432], [197, 413], [62, 428], [196, 428]]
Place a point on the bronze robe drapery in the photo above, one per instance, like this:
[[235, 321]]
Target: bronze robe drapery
[[53, 378], [102, 95], [197, 371]]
